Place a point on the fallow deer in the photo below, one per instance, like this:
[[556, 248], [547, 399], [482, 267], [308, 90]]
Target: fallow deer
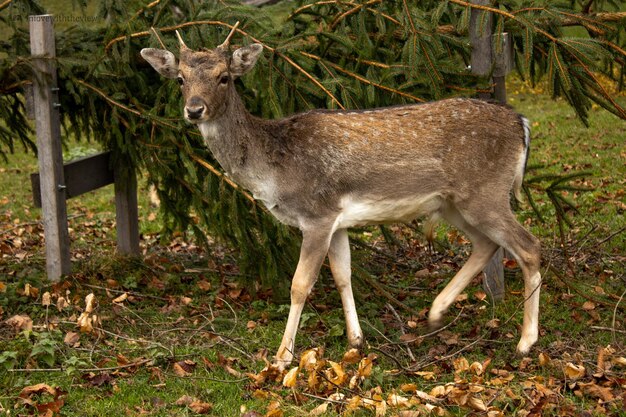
[[325, 171]]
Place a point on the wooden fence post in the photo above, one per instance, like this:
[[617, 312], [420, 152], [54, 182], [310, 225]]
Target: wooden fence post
[[126, 215], [46, 107], [482, 60]]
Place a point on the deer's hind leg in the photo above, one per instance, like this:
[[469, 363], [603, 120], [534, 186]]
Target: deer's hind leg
[[498, 225], [483, 249]]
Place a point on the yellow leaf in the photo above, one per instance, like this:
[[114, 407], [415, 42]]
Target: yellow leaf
[[574, 371], [544, 359], [89, 302], [395, 400], [459, 396], [408, 387], [337, 396], [351, 356], [61, 303], [84, 322], [381, 405], [477, 368], [46, 299], [432, 397], [309, 359], [365, 366], [596, 391], [438, 391], [180, 370], [477, 404], [340, 376], [120, 299], [320, 409], [290, 378], [427, 375], [71, 338], [20, 322], [200, 407], [185, 400], [619, 361], [589, 305], [460, 365]]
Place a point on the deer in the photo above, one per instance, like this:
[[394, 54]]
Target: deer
[[325, 171]]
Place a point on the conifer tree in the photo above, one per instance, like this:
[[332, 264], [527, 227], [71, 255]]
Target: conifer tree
[[322, 54]]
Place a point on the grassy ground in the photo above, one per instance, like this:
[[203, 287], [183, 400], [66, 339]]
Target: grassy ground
[[180, 333]]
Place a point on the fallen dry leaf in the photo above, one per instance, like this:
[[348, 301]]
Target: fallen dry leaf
[[320, 409], [544, 359], [37, 389], [589, 305], [90, 300], [476, 404], [184, 368], [204, 285], [309, 359], [398, 401], [46, 299], [290, 378], [574, 372], [200, 407], [352, 356], [185, 400], [28, 397], [339, 376], [365, 366], [120, 299], [71, 338], [460, 365], [427, 375], [20, 322], [596, 391], [477, 368]]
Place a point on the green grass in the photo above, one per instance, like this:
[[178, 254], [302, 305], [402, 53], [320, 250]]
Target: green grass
[[227, 326]]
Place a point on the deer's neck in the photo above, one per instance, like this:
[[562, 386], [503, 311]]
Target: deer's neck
[[235, 140]]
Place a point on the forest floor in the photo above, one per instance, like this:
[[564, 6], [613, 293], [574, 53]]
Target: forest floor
[[180, 332]]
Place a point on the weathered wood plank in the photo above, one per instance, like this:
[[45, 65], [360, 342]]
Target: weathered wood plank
[[480, 30], [503, 64], [45, 94], [482, 62], [81, 176], [126, 215]]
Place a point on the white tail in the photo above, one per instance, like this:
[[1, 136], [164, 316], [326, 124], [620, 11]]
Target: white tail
[[326, 171]]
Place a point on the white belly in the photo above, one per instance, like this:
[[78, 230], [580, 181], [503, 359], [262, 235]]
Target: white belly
[[359, 212]]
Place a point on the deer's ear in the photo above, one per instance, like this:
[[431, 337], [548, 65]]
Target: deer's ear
[[244, 59], [164, 62]]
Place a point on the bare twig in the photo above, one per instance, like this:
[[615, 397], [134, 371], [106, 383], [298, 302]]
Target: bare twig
[[112, 368], [610, 329], [399, 319], [611, 236], [615, 314], [134, 293], [364, 275]]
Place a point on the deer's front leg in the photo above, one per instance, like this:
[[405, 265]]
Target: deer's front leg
[[312, 253], [339, 257]]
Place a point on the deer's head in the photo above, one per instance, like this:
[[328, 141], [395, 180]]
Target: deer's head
[[205, 76]]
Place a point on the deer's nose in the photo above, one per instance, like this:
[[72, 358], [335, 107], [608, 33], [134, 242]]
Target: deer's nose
[[194, 108], [194, 112]]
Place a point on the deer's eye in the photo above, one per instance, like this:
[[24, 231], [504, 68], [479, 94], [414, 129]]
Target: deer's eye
[[180, 80], [224, 79]]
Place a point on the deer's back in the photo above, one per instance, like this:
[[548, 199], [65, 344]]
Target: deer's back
[[401, 154]]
